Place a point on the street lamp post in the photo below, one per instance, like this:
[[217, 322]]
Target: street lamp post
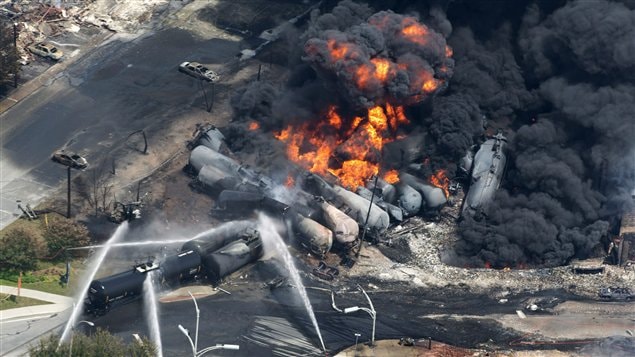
[[372, 314], [89, 323], [187, 334], [370, 311], [198, 315], [194, 344], [218, 346], [356, 339]]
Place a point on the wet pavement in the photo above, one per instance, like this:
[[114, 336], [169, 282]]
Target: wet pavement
[[268, 321]]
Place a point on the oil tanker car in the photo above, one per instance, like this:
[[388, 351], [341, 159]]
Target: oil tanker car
[[211, 256]]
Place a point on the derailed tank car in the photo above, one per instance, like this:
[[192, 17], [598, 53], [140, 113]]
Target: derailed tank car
[[119, 288], [233, 256], [180, 267], [487, 174], [212, 255]]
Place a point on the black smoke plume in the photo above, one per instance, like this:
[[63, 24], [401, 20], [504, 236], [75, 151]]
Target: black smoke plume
[[557, 76], [572, 166]]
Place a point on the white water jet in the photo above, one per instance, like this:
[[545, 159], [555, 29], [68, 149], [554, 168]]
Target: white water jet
[[273, 242], [151, 310], [88, 278], [134, 244]]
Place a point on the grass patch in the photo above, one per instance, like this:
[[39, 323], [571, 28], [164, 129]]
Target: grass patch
[[47, 275], [47, 278], [12, 302]]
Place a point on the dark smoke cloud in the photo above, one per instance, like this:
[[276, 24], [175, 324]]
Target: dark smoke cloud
[[344, 15], [349, 55], [454, 123], [571, 170], [595, 36], [255, 102], [557, 75], [488, 72]]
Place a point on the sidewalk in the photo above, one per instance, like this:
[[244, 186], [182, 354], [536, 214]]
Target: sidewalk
[[58, 304]]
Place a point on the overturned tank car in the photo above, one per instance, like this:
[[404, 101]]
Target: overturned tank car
[[487, 173]]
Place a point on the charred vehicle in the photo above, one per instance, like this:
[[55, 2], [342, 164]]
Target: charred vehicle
[[616, 293], [212, 256]]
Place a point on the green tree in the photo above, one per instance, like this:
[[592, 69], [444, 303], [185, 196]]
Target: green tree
[[8, 54], [99, 344], [65, 233], [18, 251]]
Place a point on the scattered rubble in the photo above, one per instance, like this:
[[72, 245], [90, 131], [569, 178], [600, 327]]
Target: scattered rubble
[[36, 21], [428, 242]]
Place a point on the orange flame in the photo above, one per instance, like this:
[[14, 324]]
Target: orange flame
[[382, 68], [440, 180], [290, 182], [430, 85], [448, 51], [414, 31], [338, 50], [254, 125], [379, 70], [358, 143], [392, 177]]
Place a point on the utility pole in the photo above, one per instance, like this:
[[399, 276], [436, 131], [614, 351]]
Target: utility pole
[[208, 107], [68, 193], [372, 197], [15, 47]]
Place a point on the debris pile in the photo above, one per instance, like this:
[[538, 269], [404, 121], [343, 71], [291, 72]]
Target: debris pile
[[429, 244], [35, 21]]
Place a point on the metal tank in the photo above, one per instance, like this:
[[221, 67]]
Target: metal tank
[[344, 228], [214, 179], [180, 267], [409, 199], [312, 235], [396, 213], [118, 288], [202, 155], [213, 139], [222, 235], [354, 205], [387, 191], [487, 174], [233, 256], [433, 197]]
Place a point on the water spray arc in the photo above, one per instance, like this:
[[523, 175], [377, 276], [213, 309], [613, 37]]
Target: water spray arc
[[269, 235], [79, 305]]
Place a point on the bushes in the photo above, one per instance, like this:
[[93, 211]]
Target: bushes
[[101, 343], [64, 233], [18, 251], [27, 278]]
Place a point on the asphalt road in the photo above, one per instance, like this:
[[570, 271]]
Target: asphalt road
[[268, 321], [93, 105]]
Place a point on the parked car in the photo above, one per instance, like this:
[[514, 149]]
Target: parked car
[[197, 70], [69, 159], [46, 50], [615, 293]]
